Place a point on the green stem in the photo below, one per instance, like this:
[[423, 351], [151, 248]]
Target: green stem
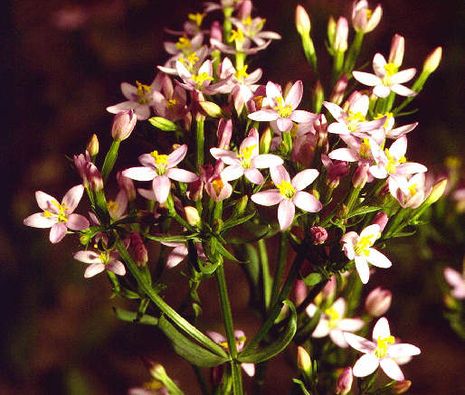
[[110, 159], [227, 24], [200, 137], [354, 51], [282, 259], [265, 272], [201, 380]]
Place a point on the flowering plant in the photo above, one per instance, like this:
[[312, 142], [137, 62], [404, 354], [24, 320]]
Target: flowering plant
[[230, 146]]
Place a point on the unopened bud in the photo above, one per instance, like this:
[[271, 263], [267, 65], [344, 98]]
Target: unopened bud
[[378, 302], [300, 291], [123, 124], [318, 96], [192, 215], [138, 249], [344, 382], [331, 31], [360, 176], [240, 206], [437, 191], [433, 60], [338, 91], [401, 387], [381, 219], [302, 20], [216, 32], [93, 146], [163, 124], [363, 19], [396, 55], [341, 35], [224, 133], [304, 362], [211, 109], [319, 235], [265, 141]]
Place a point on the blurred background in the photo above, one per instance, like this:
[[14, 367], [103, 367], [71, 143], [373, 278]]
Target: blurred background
[[62, 64]]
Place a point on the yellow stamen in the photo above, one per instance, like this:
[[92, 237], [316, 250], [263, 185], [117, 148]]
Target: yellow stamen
[[364, 243], [170, 103], [246, 155], [142, 91], [237, 36], [190, 60], [197, 18], [393, 162], [353, 119], [241, 72], [161, 161], [286, 189], [218, 185], [184, 44], [333, 316], [283, 110], [201, 78], [365, 149], [383, 344]]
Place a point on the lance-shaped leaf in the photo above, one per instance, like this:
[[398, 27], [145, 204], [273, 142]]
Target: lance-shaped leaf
[[174, 238], [187, 349], [363, 210], [259, 354], [233, 222]]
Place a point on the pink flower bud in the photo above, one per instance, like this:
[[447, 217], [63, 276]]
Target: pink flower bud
[[319, 235], [381, 219], [396, 55], [342, 34], [378, 302], [360, 176], [93, 146], [138, 249], [123, 124], [300, 291], [245, 9], [216, 31], [363, 19], [302, 20], [192, 215], [91, 177], [344, 382], [338, 91], [224, 133], [401, 387]]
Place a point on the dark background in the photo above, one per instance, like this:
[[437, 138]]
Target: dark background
[[59, 334]]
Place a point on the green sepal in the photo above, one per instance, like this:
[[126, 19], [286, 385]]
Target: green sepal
[[313, 279], [189, 350], [260, 354], [132, 316]]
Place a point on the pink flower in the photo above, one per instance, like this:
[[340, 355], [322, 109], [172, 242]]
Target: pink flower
[[247, 161], [159, 169], [124, 123], [170, 102], [90, 174], [180, 252], [457, 281], [289, 194], [359, 248], [364, 19], [409, 191], [282, 110], [333, 323], [387, 78], [378, 302], [200, 80], [344, 382], [100, 261], [382, 351], [58, 216]]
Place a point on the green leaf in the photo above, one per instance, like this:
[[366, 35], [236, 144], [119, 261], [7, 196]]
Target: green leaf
[[259, 354], [131, 316], [363, 210], [187, 349], [173, 239], [231, 223], [301, 385], [313, 279], [163, 124]]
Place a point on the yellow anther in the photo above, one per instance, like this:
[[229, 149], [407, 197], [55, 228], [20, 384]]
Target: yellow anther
[[237, 36], [170, 103], [190, 60], [283, 110], [247, 21], [353, 119], [184, 44], [246, 154], [365, 149], [104, 257], [218, 185], [201, 78], [197, 18], [142, 91], [393, 162], [333, 316], [286, 189], [364, 243], [413, 189], [241, 72], [382, 346]]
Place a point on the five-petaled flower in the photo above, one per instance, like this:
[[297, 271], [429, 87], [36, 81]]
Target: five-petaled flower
[[457, 281], [288, 194], [359, 248], [159, 169], [382, 351], [58, 216], [100, 261]]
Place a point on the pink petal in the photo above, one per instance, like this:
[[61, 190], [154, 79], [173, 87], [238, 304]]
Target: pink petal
[[350, 324], [273, 90], [403, 76], [302, 116], [116, 267], [307, 202], [231, 173], [161, 188], [228, 157], [129, 91], [253, 175], [279, 174], [411, 168], [399, 147], [181, 175], [338, 128], [336, 111], [294, 96], [206, 67], [377, 259], [366, 78], [94, 269], [267, 198], [142, 111], [401, 130], [38, 220], [57, 232], [249, 369], [360, 104], [176, 256], [44, 201], [286, 213], [381, 329], [265, 161], [365, 365], [359, 343], [126, 105], [343, 154], [284, 124], [147, 160], [371, 230], [453, 277], [402, 90], [77, 222], [87, 257], [337, 336], [140, 173], [265, 115], [177, 156], [391, 369], [303, 179], [363, 270]]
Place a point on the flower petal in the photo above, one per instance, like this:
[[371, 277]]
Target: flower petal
[[94, 269], [161, 188], [304, 178], [359, 343], [391, 369], [365, 365], [77, 222], [38, 220], [337, 336], [377, 259], [267, 198], [253, 175], [265, 115], [381, 91], [181, 175], [249, 369], [366, 78], [284, 124], [402, 350], [273, 90], [176, 256], [379, 63], [57, 232], [294, 96], [231, 173], [403, 76], [402, 90], [322, 329], [265, 161], [177, 155], [87, 257], [279, 174], [44, 201], [116, 267], [307, 202], [363, 270], [140, 173], [381, 329], [286, 213], [350, 324], [302, 116]]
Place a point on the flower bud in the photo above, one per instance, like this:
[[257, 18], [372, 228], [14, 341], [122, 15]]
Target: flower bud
[[123, 124], [302, 20], [265, 141], [396, 55], [341, 36], [245, 9], [216, 31], [319, 234], [300, 291], [192, 215], [338, 91], [360, 177], [318, 96], [363, 19], [433, 60], [378, 302], [331, 31], [344, 382], [381, 219], [138, 249], [211, 109], [224, 133], [93, 146], [401, 387], [163, 124], [436, 193], [304, 362]]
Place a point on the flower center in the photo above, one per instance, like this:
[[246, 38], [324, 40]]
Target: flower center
[[61, 215], [365, 149], [362, 247], [170, 103], [217, 185], [200, 79], [393, 162], [104, 257], [246, 155], [142, 91], [390, 69], [353, 119], [413, 189], [237, 36], [241, 72], [382, 346], [283, 110], [161, 161], [197, 18], [189, 61], [333, 316], [184, 44], [286, 189]]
